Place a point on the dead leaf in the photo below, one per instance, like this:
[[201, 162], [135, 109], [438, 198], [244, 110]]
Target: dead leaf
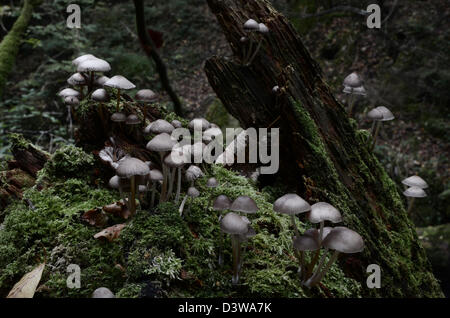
[[95, 217], [26, 287], [110, 233]]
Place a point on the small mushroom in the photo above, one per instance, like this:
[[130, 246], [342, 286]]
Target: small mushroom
[[291, 204], [415, 181], [83, 58], [158, 127], [120, 83], [155, 176], [341, 240], [191, 192], [198, 124], [132, 119], [413, 193], [118, 117], [130, 168], [103, 292], [176, 123], [91, 66], [387, 115], [101, 96], [244, 204], [193, 173], [353, 85], [262, 29], [234, 225], [221, 203], [309, 241], [69, 92], [175, 160]]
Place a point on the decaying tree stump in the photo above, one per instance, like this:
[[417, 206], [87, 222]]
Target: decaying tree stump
[[322, 154]]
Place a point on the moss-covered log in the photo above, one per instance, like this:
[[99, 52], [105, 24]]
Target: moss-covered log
[[322, 153], [9, 46]]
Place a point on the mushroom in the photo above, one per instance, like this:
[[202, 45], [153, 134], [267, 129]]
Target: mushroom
[[262, 29], [244, 204], [155, 176], [82, 58], [413, 193], [119, 82], [191, 192], [211, 183], [193, 173], [309, 241], [145, 96], [130, 168], [234, 225], [353, 85], [132, 119], [69, 92], [374, 115], [77, 80], [250, 26], [341, 240], [103, 292], [291, 204], [197, 123], [101, 80], [118, 117], [158, 127], [71, 101], [321, 212], [387, 115], [176, 123], [415, 181], [221, 203], [122, 185], [162, 143], [101, 96], [92, 65]]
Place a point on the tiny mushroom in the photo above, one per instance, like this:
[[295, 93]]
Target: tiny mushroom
[[415, 181], [291, 204], [91, 66], [103, 292], [387, 115], [120, 83], [244, 204], [413, 193], [191, 192]]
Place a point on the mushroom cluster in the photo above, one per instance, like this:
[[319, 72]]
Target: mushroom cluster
[[340, 239], [377, 116], [90, 84], [415, 189], [254, 33]]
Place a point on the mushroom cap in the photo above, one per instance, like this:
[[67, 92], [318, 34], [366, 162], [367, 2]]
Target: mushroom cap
[[415, 181], [146, 96], [244, 204], [387, 114], [359, 91], [93, 65], [115, 183], [176, 158], [353, 80], [156, 175], [100, 95], [211, 133], [323, 211], [275, 89], [193, 192], [414, 192], [71, 100], [101, 80], [262, 28], [120, 82], [197, 123], [212, 183], [83, 58], [142, 188], [69, 92], [132, 119], [251, 25], [118, 117], [76, 79], [222, 202], [344, 240], [291, 204], [375, 114], [193, 173], [159, 126], [132, 167], [161, 143], [308, 242], [103, 292], [232, 223], [176, 123]]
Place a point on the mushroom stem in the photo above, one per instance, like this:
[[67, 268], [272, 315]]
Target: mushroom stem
[[91, 83], [124, 199], [241, 255], [182, 205], [171, 181], [410, 206], [236, 247], [377, 130], [249, 52], [164, 185], [256, 52], [319, 275], [297, 234], [133, 195], [312, 264], [177, 196], [321, 233]]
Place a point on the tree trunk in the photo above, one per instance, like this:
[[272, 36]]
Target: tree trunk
[[322, 154], [9, 47]]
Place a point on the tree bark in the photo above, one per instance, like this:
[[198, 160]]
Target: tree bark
[[322, 155]]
